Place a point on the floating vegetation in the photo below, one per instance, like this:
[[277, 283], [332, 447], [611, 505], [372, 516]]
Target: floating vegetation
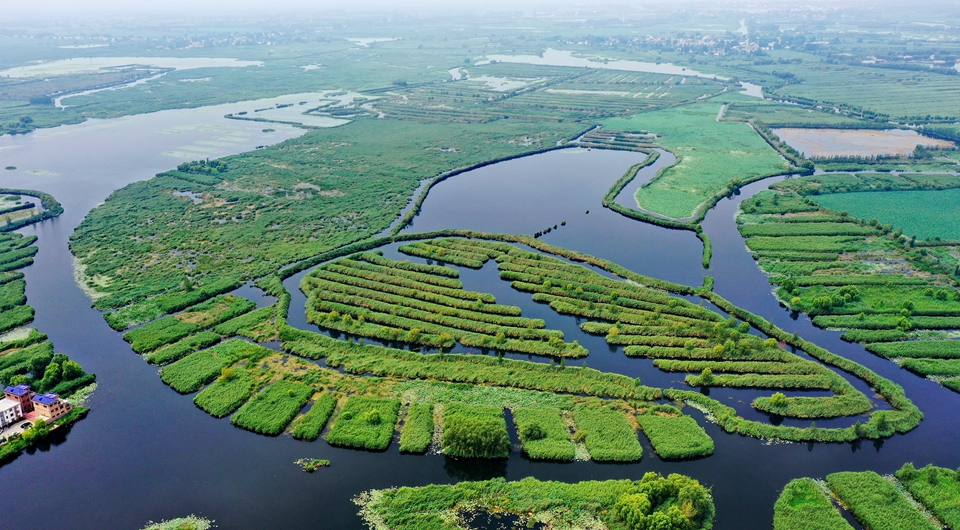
[[312, 464]]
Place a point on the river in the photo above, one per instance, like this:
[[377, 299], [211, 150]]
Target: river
[[147, 453]]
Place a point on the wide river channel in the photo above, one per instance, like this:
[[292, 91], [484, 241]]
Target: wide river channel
[[146, 453]]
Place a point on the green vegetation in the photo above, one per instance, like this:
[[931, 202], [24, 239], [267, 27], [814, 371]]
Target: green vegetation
[[392, 304], [674, 435], [474, 431], [937, 488], [365, 423], [608, 435], [713, 157], [883, 288], [190, 522], [183, 347], [924, 214], [312, 423], [273, 408], [197, 369], [804, 506], [29, 358], [417, 431], [232, 389], [173, 328], [543, 433], [876, 502], [673, 503], [332, 187]]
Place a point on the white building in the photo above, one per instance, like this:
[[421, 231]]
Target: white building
[[9, 412]]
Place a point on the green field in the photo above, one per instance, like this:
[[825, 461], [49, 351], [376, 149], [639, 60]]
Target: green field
[[710, 155], [924, 214], [802, 505]]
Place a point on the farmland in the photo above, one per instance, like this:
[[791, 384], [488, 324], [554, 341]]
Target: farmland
[[710, 155], [890, 290]]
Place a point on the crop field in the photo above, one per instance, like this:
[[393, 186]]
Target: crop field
[[885, 288], [614, 504], [674, 435], [923, 214], [710, 155], [365, 423]]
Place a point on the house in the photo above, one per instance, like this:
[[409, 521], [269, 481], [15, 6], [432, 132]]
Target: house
[[10, 412], [50, 406], [21, 394]]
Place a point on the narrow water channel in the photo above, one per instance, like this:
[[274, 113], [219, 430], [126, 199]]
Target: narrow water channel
[[146, 452]]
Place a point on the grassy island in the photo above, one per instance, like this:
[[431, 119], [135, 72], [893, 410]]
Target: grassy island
[[653, 502]]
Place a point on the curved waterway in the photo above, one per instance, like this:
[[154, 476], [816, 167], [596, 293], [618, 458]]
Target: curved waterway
[[146, 452]]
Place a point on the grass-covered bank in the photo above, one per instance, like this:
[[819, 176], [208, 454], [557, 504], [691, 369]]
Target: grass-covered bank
[[654, 502]]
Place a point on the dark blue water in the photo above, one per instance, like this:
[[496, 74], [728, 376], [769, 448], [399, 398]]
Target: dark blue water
[[146, 452]]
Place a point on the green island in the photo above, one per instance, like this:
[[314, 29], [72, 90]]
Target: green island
[[653, 502], [43, 391], [922, 499]]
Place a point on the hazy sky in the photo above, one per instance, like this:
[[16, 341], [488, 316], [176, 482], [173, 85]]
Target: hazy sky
[[274, 6]]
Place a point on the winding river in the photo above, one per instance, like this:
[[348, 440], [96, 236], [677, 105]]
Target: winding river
[[147, 453]]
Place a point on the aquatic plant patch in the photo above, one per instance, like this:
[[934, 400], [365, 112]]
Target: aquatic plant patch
[[876, 502], [231, 389], [365, 423], [543, 433], [273, 408], [417, 431], [676, 502], [803, 505], [309, 426], [474, 431], [608, 435], [675, 435]]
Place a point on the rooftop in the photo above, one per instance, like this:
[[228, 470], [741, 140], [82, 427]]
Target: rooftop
[[46, 399], [7, 404], [19, 390]]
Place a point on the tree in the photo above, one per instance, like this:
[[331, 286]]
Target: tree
[[778, 400], [71, 370], [706, 376]]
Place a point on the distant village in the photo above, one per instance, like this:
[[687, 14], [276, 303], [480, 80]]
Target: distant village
[[21, 404]]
